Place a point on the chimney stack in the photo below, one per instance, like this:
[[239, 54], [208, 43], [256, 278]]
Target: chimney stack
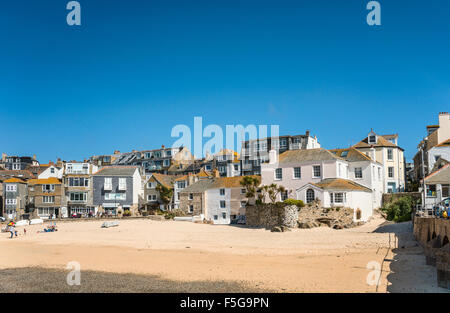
[[273, 158], [307, 133]]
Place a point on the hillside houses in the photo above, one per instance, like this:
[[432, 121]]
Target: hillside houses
[[209, 187]]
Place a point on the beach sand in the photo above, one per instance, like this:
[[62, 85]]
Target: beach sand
[[143, 255]]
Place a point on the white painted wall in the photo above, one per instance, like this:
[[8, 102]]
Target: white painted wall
[[212, 206], [434, 152], [58, 173]]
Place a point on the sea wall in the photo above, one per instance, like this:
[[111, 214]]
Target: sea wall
[[271, 215], [433, 234]]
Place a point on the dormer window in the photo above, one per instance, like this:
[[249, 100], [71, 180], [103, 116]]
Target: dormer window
[[372, 139]]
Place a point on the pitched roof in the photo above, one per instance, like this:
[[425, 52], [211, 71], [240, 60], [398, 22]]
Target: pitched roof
[[214, 183], [341, 184], [165, 180], [442, 175], [45, 181], [298, 156], [184, 177], [116, 171], [444, 143], [15, 180], [381, 142], [19, 173], [353, 155]]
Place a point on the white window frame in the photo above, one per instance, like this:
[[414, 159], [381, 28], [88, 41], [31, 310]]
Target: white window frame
[[313, 171], [390, 154], [222, 191], [299, 171], [224, 204], [122, 183], [360, 172], [11, 188], [281, 173], [107, 185]]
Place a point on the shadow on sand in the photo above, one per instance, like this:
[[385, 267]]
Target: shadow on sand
[[408, 269], [37, 279]]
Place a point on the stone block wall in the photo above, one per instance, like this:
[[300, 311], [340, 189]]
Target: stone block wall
[[433, 234], [271, 215]]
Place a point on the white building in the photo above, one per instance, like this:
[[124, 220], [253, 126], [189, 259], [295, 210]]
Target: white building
[[320, 174]]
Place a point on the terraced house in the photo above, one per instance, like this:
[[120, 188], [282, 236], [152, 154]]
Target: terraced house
[[216, 199], [78, 188], [384, 149], [117, 189], [45, 197], [15, 196]]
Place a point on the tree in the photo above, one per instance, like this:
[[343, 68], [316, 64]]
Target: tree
[[165, 194], [273, 191], [251, 183]]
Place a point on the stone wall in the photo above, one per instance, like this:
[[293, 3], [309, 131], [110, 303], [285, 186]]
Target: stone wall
[[389, 197], [315, 216], [433, 234], [271, 215]]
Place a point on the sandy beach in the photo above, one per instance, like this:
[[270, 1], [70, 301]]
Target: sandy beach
[[143, 255]]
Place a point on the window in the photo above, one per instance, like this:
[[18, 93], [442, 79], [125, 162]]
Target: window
[[445, 191], [431, 190], [297, 172], [316, 171], [310, 196], [224, 215], [48, 199], [52, 170], [150, 185], [436, 157], [108, 183], [358, 172], [222, 192], [78, 196], [191, 209], [283, 143], [11, 187], [191, 196], [223, 204], [122, 183], [243, 191], [236, 167], [168, 153], [115, 196], [284, 195], [48, 188], [181, 184], [207, 167], [391, 172], [344, 153], [78, 182], [372, 139], [390, 154], [337, 197], [166, 162], [216, 217], [16, 166], [243, 203], [11, 201], [151, 197], [278, 174]]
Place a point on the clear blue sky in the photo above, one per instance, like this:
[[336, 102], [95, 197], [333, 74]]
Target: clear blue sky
[[135, 69]]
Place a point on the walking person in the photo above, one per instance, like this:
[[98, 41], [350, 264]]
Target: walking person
[[12, 231]]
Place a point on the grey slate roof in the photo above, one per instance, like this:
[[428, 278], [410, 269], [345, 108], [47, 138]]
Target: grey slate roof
[[298, 156], [116, 171], [200, 185]]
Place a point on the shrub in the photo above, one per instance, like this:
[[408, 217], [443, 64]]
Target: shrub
[[298, 203], [126, 213], [399, 210]]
